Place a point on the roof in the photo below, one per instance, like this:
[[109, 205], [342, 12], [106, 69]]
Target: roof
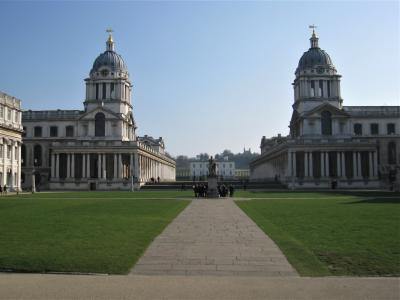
[[373, 111], [57, 115]]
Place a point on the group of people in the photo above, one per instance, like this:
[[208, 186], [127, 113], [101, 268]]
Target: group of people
[[201, 189], [154, 180], [3, 189], [224, 191]]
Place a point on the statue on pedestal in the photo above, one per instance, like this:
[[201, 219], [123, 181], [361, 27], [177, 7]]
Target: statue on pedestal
[[212, 167]]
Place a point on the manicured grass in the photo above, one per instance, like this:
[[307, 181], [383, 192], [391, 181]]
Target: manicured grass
[[97, 232], [331, 233]]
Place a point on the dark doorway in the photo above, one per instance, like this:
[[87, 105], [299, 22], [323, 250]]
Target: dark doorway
[[94, 165]]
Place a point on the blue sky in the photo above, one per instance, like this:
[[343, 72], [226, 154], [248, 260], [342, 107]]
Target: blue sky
[[207, 76]]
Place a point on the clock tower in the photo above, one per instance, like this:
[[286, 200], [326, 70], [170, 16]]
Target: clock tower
[[316, 81], [108, 96]]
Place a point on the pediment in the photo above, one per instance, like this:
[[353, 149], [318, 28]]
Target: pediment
[[336, 112], [89, 115]]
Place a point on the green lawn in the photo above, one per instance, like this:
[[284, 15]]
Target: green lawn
[[99, 232], [331, 233]]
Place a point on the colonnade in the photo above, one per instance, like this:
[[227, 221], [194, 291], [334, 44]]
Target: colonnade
[[343, 161], [10, 163], [109, 166]]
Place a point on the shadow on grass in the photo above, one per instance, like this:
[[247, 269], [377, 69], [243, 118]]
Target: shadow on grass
[[369, 193], [375, 201]]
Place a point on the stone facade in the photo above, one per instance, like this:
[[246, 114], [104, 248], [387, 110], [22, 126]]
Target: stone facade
[[10, 142], [225, 169], [96, 148], [348, 146]]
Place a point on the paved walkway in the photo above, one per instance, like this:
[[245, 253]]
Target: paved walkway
[[213, 237], [38, 286]]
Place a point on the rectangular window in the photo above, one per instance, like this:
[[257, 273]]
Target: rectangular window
[[15, 116], [374, 129], [16, 153], [37, 131], [53, 131], [69, 131], [1, 151], [97, 91], [104, 91], [9, 114], [357, 129], [1, 112], [391, 128]]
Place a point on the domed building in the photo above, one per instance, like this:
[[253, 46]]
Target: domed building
[[96, 148], [330, 145]]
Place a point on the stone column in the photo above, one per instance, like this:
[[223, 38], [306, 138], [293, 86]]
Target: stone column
[[68, 166], [370, 165], [339, 169], [289, 164], [343, 165], [57, 166], [104, 166], [322, 164], [19, 166], [12, 164], [375, 164], [88, 174], [115, 166], [137, 167], [73, 165], [99, 166], [83, 165], [131, 172], [305, 164], [119, 165], [355, 165], [53, 165], [294, 164], [359, 164], [4, 161], [310, 162], [327, 164]]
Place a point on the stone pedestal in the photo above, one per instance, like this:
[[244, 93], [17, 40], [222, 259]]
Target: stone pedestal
[[212, 187]]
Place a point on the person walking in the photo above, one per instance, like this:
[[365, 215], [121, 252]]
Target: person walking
[[231, 190]]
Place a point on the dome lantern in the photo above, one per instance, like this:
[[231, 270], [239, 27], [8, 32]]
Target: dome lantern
[[314, 38], [110, 42]]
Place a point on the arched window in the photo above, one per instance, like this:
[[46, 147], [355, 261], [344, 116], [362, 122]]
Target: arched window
[[392, 153], [100, 124], [23, 156], [326, 123], [37, 156]]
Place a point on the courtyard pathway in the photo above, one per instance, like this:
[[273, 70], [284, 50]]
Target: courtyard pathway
[[213, 237]]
